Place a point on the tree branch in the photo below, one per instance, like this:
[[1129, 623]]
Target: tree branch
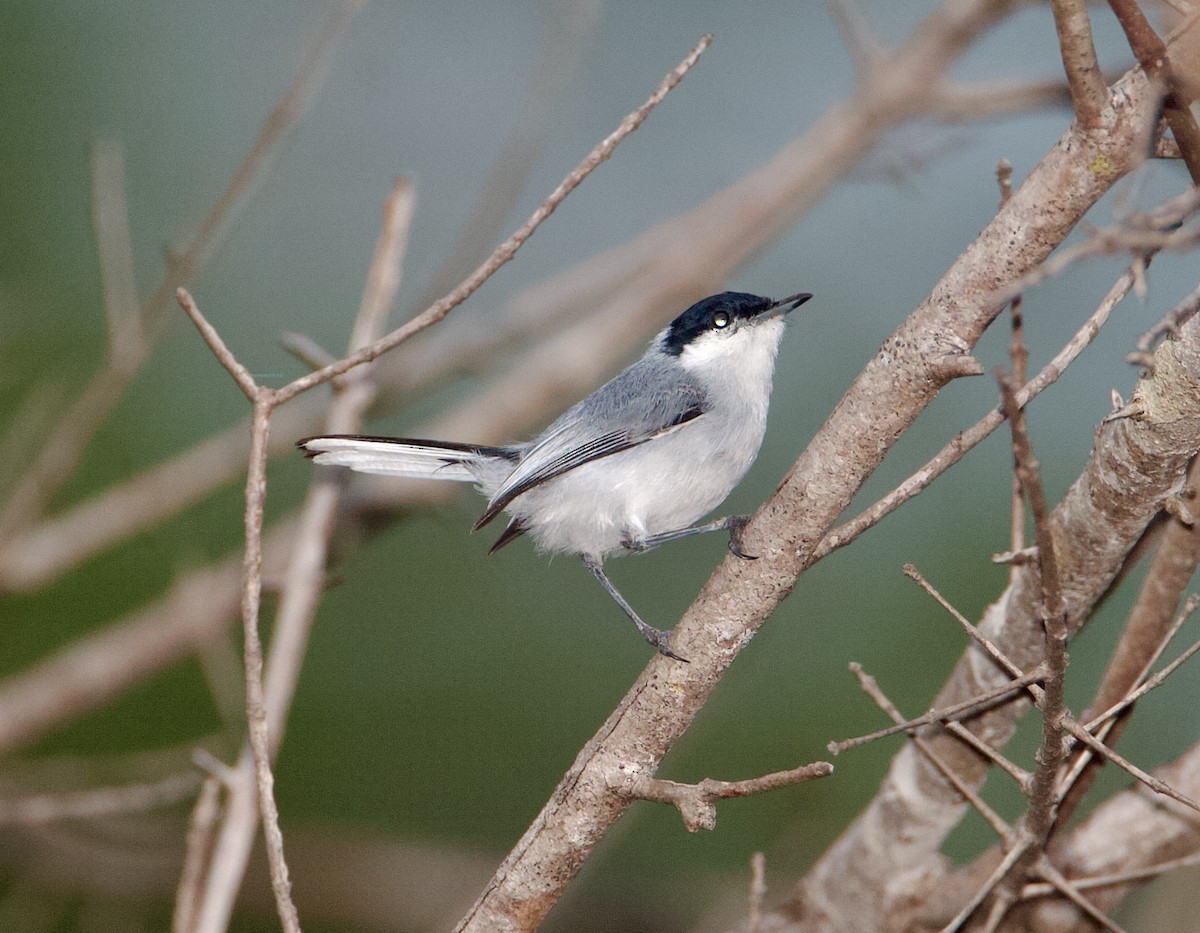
[[696, 803]]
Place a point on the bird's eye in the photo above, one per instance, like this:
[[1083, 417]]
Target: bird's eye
[[720, 320]]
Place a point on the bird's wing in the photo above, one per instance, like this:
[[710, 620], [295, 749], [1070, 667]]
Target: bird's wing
[[624, 413]]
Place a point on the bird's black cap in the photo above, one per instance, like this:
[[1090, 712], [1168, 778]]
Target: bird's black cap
[[706, 315]]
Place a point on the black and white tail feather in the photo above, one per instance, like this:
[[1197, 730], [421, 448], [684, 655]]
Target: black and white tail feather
[[634, 464]]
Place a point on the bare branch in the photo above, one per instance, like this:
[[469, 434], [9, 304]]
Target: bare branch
[[256, 709], [199, 846], [696, 803], [110, 218], [967, 440], [1157, 680], [305, 574], [1132, 836], [263, 400], [64, 445], [871, 688], [955, 713], [1167, 327], [1036, 889], [1094, 531], [1153, 56], [224, 356], [1089, 96], [98, 802], [506, 250]]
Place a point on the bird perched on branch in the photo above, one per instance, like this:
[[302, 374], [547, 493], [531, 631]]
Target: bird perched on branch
[[634, 464]]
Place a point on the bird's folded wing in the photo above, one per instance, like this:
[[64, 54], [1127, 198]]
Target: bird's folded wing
[[559, 451]]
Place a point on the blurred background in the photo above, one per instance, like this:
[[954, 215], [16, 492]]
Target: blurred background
[[444, 691]]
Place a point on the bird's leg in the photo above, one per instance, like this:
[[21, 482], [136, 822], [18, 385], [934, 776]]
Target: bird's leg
[[733, 523], [659, 639]]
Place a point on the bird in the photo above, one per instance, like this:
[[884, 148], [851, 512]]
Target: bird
[[632, 466]]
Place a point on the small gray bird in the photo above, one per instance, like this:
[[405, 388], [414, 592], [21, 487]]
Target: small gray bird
[[634, 464]]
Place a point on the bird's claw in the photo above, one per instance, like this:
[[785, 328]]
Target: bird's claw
[[737, 524], [662, 641]]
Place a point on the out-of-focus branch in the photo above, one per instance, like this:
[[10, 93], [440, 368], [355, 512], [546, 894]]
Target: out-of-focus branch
[[1088, 93], [1152, 55], [110, 218], [304, 578], [506, 250], [64, 445], [962, 101], [561, 48], [98, 802]]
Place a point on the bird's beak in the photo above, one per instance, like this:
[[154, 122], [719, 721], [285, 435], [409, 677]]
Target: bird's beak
[[780, 308]]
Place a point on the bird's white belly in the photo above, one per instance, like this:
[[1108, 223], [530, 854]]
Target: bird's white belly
[[654, 488]]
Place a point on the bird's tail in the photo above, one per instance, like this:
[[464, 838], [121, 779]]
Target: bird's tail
[[403, 456]]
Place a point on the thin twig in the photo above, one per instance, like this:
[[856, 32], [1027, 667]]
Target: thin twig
[[1041, 889], [1155, 681], [40, 809], [871, 688], [224, 355], [506, 250], [1167, 327], [696, 803], [1081, 734], [199, 845], [258, 733], [758, 892], [1011, 857], [1070, 890], [967, 440], [256, 708], [1012, 669], [955, 713], [1043, 801]]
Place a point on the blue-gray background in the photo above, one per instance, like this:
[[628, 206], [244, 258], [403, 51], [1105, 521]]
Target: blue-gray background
[[445, 692]]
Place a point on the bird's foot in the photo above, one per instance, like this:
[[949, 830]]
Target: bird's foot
[[736, 525]]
